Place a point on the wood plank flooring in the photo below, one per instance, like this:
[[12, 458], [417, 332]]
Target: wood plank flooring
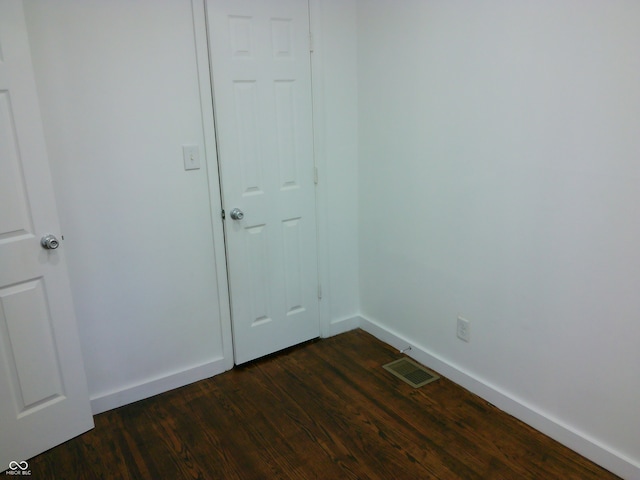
[[323, 410]]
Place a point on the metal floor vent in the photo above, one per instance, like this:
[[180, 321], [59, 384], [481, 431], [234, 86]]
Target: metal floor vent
[[411, 372]]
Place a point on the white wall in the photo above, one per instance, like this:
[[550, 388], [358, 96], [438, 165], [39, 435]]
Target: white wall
[[118, 86], [119, 92], [334, 65], [496, 180], [499, 171]]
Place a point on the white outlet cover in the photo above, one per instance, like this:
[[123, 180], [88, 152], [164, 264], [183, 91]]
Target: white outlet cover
[[463, 330], [191, 156]]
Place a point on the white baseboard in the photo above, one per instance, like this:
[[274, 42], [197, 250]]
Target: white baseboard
[[108, 401], [133, 393], [343, 325], [155, 386], [554, 428]]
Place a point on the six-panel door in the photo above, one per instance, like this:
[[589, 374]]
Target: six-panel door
[[262, 101], [43, 391]]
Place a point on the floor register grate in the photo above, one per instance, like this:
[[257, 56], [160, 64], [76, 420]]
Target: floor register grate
[[411, 372]]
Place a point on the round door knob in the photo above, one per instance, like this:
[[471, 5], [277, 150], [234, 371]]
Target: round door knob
[[50, 242], [236, 214]]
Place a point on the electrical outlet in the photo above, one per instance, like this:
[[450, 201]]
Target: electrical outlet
[[464, 329]]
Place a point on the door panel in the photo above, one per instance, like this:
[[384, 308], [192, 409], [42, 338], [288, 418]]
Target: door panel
[[13, 221], [43, 392], [26, 320], [262, 100]]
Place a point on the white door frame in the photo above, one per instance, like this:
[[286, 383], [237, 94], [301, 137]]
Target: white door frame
[[215, 192], [213, 172], [320, 161]]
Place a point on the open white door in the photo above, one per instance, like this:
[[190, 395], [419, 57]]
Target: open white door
[[261, 71], [43, 391]]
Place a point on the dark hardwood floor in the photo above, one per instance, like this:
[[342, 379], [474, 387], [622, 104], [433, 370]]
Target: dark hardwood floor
[[323, 410]]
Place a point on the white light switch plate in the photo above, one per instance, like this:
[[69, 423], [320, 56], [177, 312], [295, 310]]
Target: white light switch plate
[[191, 155]]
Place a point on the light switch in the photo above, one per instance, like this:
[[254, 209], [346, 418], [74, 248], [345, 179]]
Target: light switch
[[191, 155]]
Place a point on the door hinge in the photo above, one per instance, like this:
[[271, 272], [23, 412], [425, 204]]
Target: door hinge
[[223, 215], [319, 292], [311, 42], [315, 175]]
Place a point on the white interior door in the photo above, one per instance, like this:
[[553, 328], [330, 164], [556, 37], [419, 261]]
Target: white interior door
[[43, 392], [260, 64]]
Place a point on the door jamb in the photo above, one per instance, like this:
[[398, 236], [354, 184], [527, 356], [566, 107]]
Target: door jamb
[[319, 159], [213, 176]]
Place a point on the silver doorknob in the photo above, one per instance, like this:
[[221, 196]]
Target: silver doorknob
[[50, 242], [236, 214]]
